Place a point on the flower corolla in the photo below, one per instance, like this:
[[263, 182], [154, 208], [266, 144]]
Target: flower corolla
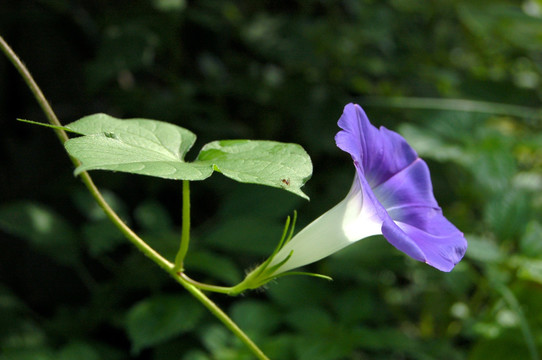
[[391, 195]]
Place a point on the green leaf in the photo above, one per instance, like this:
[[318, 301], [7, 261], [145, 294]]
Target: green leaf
[[530, 243], [82, 350], [156, 135], [154, 148], [101, 237], [244, 235], [78, 350], [310, 319], [270, 203], [256, 317], [11, 308], [160, 318], [430, 145], [88, 207], [214, 265], [138, 146], [43, 228], [494, 165], [503, 347], [484, 250], [504, 22], [294, 290], [508, 213], [153, 216], [216, 338], [346, 306], [28, 354], [270, 163], [530, 269]]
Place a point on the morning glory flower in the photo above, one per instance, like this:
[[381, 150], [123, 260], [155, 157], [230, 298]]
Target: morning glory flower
[[391, 195]]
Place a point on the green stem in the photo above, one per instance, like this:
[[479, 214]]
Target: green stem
[[170, 268], [185, 232], [113, 216], [514, 304], [226, 320], [483, 107], [207, 287], [27, 77], [85, 177]]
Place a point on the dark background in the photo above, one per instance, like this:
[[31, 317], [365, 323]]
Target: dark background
[[72, 287]]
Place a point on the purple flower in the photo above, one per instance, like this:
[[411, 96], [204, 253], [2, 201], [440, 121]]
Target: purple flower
[[391, 195]]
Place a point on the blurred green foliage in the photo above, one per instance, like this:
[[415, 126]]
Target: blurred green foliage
[[71, 287]]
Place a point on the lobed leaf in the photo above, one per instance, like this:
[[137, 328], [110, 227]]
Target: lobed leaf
[[154, 148], [138, 146], [270, 163], [154, 134]]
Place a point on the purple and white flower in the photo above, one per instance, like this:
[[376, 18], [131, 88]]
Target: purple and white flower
[[391, 195]]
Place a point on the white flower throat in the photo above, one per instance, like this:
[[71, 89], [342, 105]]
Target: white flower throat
[[349, 221]]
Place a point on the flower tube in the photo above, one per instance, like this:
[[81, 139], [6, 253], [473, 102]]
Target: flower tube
[[391, 195]]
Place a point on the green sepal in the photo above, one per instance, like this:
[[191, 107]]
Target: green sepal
[[265, 273]]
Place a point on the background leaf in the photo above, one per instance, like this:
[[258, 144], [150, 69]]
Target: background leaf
[[468, 77], [159, 318], [43, 228]]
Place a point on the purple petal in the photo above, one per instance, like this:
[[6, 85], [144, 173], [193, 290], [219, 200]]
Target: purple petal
[[380, 152], [397, 182], [411, 186], [441, 249]]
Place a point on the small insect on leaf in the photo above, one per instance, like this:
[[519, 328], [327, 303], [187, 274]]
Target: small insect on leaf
[[285, 181], [110, 135]]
